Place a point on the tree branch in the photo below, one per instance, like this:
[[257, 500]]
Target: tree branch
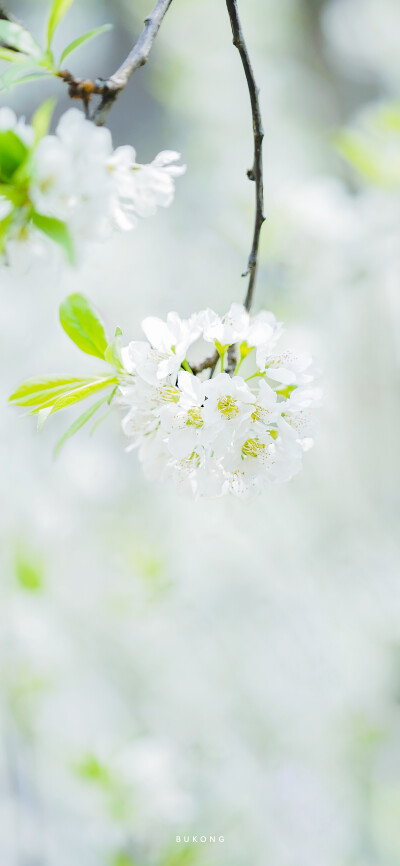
[[110, 88], [255, 173], [208, 363]]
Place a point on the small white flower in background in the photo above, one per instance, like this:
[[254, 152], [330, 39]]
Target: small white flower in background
[[74, 176], [140, 189], [227, 433]]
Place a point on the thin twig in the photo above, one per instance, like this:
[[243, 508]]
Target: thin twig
[[110, 88], [231, 356], [255, 173], [206, 364], [211, 362]]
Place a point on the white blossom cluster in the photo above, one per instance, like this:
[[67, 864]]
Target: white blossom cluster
[[76, 176], [225, 433]]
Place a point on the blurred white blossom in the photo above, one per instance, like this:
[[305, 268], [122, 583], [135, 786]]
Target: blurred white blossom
[[76, 178], [140, 189]]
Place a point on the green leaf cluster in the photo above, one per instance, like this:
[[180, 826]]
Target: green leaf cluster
[[28, 60], [45, 396]]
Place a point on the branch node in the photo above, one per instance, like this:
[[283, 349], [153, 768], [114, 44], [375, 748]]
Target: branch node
[[110, 88]]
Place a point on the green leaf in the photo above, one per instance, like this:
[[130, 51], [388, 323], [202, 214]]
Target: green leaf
[[44, 397], [102, 417], [11, 56], [44, 392], [8, 191], [82, 39], [286, 391], [79, 422], [13, 153], [41, 119], [15, 75], [58, 231], [15, 36], [83, 325], [113, 351], [79, 394], [58, 9]]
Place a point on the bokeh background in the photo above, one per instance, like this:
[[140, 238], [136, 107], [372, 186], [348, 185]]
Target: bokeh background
[[170, 667]]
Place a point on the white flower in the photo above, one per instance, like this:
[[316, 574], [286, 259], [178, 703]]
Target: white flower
[[303, 397], [27, 247], [140, 189], [82, 137], [70, 176], [248, 462], [168, 344], [238, 326], [266, 409], [182, 422], [75, 176], [146, 402], [224, 433], [263, 333], [51, 190], [288, 368], [228, 406], [229, 329], [201, 474]]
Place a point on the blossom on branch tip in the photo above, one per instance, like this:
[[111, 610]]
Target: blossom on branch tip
[[224, 434]]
